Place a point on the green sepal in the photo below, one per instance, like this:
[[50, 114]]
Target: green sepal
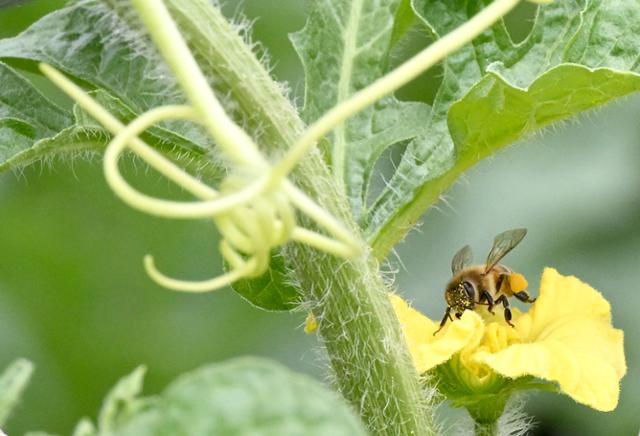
[[484, 397]]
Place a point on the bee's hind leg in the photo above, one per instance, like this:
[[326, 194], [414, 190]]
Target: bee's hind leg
[[507, 312], [524, 297], [447, 316]]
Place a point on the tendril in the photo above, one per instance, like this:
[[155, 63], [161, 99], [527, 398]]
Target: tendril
[[254, 210]]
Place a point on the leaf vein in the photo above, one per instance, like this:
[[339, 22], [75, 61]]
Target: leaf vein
[[383, 32], [344, 88], [334, 14]]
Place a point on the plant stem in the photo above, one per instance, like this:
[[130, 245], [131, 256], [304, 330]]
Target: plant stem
[[360, 331], [486, 428]]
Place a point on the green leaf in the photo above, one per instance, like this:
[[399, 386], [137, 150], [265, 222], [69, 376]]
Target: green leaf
[[89, 41], [473, 120], [122, 402], [580, 54], [20, 100], [85, 428], [20, 148], [15, 137], [40, 433], [404, 20], [26, 116], [272, 290], [32, 128], [13, 382], [70, 140], [344, 46], [244, 396]]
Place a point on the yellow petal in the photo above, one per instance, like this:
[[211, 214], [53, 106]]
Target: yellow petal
[[567, 338], [428, 350]]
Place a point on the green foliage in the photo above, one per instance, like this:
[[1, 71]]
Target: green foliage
[[579, 54], [26, 119], [512, 112], [493, 92], [121, 404], [524, 87], [405, 19], [84, 428], [33, 128], [92, 43], [13, 382], [44, 433], [344, 47], [242, 396], [272, 290]]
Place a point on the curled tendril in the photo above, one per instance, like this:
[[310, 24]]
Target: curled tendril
[[169, 209], [255, 209]]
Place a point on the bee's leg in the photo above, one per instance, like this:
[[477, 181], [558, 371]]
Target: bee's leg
[[447, 315], [485, 295], [500, 282], [507, 312], [524, 296]]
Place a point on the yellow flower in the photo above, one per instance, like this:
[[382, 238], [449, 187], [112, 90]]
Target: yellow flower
[[566, 338]]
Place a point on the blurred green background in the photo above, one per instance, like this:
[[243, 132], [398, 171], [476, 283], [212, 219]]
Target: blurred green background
[[75, 300]]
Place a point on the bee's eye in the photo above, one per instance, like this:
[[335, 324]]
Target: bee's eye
[[468, 288]]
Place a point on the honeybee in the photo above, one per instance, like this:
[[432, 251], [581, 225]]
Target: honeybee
[[490, 284]]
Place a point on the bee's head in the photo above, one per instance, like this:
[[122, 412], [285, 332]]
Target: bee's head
[[460, 296]]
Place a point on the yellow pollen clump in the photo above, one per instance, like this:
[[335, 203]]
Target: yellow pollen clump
[[518, 282], [310, 324]]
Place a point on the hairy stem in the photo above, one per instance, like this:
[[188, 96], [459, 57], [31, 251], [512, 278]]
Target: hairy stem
[[361, 334], [486, 428]]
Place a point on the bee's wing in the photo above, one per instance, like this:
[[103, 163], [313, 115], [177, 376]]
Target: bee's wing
[[461, 259], [503, 244]]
